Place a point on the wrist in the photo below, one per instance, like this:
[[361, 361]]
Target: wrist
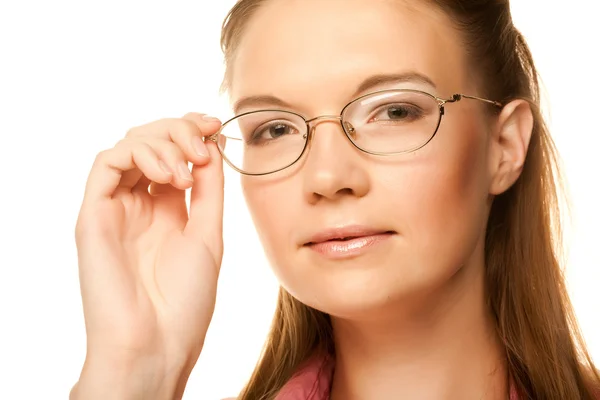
[[148, 377]]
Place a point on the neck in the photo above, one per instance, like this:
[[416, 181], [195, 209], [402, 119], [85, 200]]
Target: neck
[[445, 349]]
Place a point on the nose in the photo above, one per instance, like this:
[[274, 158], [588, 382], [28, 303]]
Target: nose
[[334, 168]]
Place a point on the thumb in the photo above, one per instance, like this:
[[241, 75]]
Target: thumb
[[206, 202]]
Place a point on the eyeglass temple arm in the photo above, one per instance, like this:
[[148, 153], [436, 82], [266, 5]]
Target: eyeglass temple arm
[[457, 97]]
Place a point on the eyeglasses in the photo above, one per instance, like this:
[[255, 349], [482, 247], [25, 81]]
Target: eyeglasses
[[383, 123]]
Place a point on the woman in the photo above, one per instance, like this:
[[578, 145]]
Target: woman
[[412, 232]]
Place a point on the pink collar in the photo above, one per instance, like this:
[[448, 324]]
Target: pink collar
[[313, 380]]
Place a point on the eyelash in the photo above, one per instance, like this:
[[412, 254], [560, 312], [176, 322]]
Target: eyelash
[[255, 137], [413, 111]]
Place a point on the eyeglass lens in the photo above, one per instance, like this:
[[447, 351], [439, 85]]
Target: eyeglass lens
[[386, 122]]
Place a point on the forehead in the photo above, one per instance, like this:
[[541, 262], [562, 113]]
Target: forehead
[[321, 50]]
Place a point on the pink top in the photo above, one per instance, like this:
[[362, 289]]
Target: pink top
[[312, 382]]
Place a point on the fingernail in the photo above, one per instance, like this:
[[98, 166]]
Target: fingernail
[[165, 167], [208, 118], [184, 172], [199, 146]]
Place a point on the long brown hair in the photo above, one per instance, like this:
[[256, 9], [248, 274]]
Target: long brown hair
[[526, 292]]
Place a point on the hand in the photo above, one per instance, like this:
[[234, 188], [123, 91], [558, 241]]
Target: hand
[[149, 268]]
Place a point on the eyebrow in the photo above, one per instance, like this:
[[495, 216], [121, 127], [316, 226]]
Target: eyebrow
[[383, 79], [256, 101], [368, 83]]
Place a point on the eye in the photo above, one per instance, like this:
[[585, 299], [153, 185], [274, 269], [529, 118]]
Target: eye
[[271, 131], [397, 112]]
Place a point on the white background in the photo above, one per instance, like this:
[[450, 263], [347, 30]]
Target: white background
[[75, 76]]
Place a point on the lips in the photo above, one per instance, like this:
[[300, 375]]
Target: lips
[[345, 234], [348, 242]]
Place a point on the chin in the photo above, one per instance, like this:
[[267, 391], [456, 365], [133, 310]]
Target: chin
[[357, 295]]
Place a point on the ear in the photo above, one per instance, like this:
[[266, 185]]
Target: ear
[[509, 145]]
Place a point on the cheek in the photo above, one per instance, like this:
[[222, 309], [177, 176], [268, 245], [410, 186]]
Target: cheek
[[448, 195], [273, 206]]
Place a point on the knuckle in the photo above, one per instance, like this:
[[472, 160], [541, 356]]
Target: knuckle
[[193, 115], [125, 142], [187, 128], [175, 127], [133, 132], [151, 145], [169, 152], [172, 149], [107, 154], [166, 121], [101, 156]]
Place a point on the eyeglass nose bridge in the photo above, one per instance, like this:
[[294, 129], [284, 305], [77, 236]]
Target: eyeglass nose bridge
[[312, 123]]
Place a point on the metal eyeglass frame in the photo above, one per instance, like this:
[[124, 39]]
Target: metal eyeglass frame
[[309, 131]]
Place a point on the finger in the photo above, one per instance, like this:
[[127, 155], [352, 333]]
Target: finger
[[174, 158], [159, 189], [206, 202], [207, 124], [131, 179], [110, 165], [143, 185], [186, 132]]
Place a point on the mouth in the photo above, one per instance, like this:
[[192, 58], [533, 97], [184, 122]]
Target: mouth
[[347, 242], [346, 234], [348, 238]]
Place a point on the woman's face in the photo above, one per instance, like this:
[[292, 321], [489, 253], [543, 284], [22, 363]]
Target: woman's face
[[314, 55]]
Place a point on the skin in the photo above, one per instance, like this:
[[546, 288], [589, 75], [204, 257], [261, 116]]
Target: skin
[[146, 263], [409, 315]]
